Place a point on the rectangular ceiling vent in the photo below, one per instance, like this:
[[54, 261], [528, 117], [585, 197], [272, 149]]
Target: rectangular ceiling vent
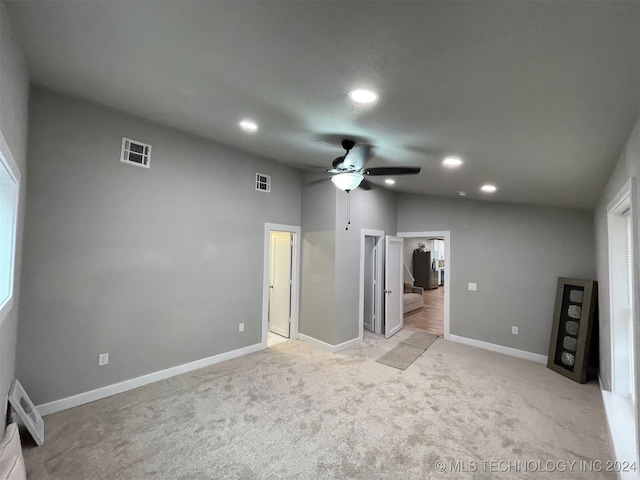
[[263, 183], [135, 153]]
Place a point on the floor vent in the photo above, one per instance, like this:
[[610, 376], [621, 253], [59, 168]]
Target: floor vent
[[135, 153], [263, 183]]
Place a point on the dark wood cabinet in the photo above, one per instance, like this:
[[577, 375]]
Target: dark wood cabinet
[[425, 276]]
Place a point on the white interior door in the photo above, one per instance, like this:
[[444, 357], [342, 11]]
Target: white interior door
[[370, 283], [280, 282], [393, 286]]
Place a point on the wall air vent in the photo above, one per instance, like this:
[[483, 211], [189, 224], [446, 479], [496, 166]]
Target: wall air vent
[[263, 183], [135, 153]]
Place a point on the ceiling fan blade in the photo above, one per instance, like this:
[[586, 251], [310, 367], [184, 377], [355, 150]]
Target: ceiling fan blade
[[391, 171], [365, 185], [368, 153], [315, 181]]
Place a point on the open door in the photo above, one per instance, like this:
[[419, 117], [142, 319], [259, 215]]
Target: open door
[[280, 282], [393, 286], [370, 293]]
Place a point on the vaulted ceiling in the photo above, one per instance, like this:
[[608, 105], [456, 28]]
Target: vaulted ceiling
[[536, 97]]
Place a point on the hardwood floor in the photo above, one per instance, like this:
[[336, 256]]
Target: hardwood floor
[[429, 318]]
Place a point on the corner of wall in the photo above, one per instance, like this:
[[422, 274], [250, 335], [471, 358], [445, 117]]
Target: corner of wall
[[14, 95]]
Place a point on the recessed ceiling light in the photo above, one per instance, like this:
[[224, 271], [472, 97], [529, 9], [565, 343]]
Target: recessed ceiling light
[[389, 181], [248, 126], [488, 188], [452, 162], [361, 95], [462, 193]]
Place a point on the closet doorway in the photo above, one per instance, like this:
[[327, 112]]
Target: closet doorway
[[371, 281], [280, 283]]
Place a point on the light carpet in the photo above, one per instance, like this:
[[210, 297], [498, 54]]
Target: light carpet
[[296, 412]]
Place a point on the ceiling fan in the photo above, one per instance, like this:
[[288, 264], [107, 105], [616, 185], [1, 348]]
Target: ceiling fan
[[349, 176]]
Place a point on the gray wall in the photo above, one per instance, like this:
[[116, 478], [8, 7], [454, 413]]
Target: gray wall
[[14, 90], [317, 284], [155, 266], [514, 253], [374, 209], [329, 308], [628, 166]]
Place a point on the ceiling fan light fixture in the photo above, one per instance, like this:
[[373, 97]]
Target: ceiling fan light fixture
[[362, 95], [347, 181]]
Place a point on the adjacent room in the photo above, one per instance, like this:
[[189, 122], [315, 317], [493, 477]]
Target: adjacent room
[[319, 240], [424, 287]]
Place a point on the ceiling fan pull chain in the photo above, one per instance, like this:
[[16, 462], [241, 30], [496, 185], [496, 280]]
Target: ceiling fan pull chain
[[348, 210]]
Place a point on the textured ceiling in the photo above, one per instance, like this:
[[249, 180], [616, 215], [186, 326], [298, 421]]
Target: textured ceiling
[[537, 97]]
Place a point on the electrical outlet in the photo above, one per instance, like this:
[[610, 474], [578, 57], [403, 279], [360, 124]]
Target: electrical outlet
[[103, 359], [473, 287], [241, 327], [514, 330]]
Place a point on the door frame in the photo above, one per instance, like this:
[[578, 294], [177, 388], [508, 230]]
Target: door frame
[[295, 278], [446, 234], [379, 234], [280, 261], [623, 413]]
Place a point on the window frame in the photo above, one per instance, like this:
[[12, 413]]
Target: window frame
[[7, 161], [621, 218]]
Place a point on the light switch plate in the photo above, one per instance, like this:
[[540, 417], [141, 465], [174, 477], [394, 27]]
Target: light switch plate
[[473, 287]]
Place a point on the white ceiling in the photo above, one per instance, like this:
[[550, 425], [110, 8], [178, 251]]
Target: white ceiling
[[537, 97]]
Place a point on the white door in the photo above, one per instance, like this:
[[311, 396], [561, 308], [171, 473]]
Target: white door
[[393, 286], [370, 280], [280, 282]]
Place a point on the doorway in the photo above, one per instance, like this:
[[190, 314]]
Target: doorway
[[371, 281], [280, 272], [372, 320], [432, 280], [380, 283], [280, 283]]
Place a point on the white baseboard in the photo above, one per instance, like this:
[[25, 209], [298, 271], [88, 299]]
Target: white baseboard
[[328, 347], [348, 344], [103, 392], [514, 352], [622, 436]]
